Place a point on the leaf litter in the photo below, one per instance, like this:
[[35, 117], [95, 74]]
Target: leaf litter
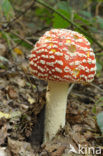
[[22, 108]]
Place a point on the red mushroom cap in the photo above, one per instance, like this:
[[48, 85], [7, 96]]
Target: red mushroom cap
[[63, 55]]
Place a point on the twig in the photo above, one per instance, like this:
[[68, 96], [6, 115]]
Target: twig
[[71, 22], [101, 90], [70, 88], [97, 8], [99, 53], [27, 41], [82, 96]]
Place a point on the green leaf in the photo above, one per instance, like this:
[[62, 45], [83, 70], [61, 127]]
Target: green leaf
[[99, 66], [3, 62], [94, 109], [64, 6], [40, 11], [100, 121], [100, 21], [99, 100], [59, 22], [93, 29], [7, 9], [86, 14], [99, 54], [44, 14], [3, 59], [80, 18]]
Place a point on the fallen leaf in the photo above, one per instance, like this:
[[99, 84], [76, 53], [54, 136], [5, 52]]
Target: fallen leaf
[[4, 115], [59, 151], [12, 93], [30, 99], [3, 134], [2, 49], [18, 51], [18, 147]]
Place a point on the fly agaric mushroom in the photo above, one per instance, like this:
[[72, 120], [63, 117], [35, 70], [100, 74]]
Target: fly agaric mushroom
[[61, 56]]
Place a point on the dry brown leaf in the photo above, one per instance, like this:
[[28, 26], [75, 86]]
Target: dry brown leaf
[[3, 134], [59, 151], [17, 147], [12, 93], [18, 51], [2, 49]]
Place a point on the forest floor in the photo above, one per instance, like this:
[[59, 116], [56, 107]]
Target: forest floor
[[22, 104]]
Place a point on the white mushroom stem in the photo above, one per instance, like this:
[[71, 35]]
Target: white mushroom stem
[[55, 108]]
